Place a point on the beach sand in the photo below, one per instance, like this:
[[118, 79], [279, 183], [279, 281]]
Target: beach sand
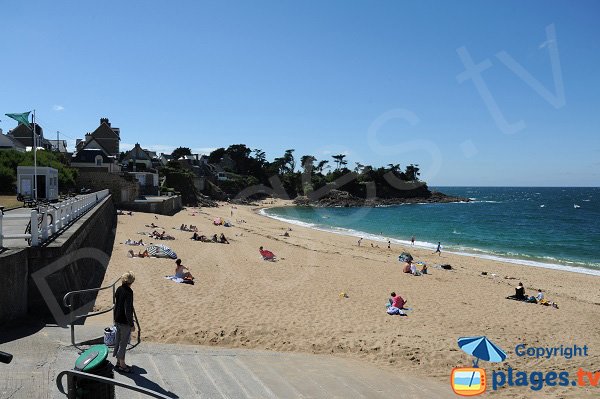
[[294, 304]]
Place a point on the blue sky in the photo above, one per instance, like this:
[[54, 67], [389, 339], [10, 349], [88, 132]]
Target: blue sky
[[377, 80]]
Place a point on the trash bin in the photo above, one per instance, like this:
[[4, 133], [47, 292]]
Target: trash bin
[[93, 361]]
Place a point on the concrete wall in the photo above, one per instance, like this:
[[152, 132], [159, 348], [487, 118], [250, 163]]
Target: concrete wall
[[77, 259], [13, 284], [121, 188], [169, 206]]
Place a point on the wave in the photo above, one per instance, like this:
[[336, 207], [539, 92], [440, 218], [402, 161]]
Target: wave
[[546, 262]]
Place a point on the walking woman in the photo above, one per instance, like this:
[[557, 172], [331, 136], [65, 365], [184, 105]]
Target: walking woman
[[123, 316]]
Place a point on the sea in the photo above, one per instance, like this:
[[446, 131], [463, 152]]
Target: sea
[[551, 227]]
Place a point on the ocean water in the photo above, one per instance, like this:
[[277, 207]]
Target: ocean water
[[535, 226]]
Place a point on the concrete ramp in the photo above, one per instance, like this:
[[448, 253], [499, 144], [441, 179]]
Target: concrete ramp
[[188, 371]]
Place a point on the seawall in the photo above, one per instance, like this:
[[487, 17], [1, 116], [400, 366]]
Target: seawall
[[159, 205], [34, 280]]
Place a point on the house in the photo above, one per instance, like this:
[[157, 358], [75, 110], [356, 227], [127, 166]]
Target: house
[[8, 143], [138, 159], [94, 159], [24, 135], [165, 159], [105, 137]]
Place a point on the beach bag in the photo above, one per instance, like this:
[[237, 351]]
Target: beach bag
[[110, 335]]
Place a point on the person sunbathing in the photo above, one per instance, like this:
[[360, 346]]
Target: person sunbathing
[[222, 239], [519, 293], [134, 242], [139, 254], [180, 271], [215, 239]]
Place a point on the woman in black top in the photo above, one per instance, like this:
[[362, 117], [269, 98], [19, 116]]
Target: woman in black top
[[123, 317]]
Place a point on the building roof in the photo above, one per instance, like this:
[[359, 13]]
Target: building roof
[[9, 142], [88, 155], [138, 153]]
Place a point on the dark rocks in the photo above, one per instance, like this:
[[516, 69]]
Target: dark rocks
[[339, 198]]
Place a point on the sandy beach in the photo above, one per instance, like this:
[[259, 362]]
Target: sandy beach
[[294, 304]]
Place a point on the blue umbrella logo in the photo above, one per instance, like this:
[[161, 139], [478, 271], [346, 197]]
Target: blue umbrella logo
[[483, 349]]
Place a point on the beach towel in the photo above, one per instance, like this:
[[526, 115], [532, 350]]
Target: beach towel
[[180, 280], [392, 310]]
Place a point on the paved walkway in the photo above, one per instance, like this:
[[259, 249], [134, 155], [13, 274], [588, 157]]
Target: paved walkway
[[186, 371], [15, 226]]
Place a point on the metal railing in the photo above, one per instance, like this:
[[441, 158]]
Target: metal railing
[[69, 304], [61, 215], [72, 375]]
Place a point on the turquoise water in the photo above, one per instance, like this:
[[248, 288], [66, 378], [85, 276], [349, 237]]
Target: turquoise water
[[551, 227]]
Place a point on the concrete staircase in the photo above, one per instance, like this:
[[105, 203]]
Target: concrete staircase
[[187, 371]]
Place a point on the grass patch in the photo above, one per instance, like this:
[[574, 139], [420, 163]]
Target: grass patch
[[9, 201]]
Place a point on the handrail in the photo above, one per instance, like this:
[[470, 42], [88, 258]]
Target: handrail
[[71, 390], [62, 215], [74, 317]]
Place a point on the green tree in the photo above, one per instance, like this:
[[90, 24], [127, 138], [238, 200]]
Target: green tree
[[216, 156], [180, 152], [306, 162], [289, 160], [339, 160]]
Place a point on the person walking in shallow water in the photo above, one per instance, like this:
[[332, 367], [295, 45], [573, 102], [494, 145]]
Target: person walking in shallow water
[[412, 240], [439, 249]]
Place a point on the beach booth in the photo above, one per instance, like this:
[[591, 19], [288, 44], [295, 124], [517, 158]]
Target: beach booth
[[47, 182]]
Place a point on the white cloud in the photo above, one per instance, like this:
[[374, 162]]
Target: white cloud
[[58, 108]]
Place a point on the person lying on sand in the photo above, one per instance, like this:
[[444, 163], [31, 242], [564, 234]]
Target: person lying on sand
[[200, 237], [138, 255], [134, 242], [222, 239], [180, 271], [215, 238]]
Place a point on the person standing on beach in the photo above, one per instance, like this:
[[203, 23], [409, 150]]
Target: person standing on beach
[[412, 240], [439, 249], [359, 241], [123, 318]]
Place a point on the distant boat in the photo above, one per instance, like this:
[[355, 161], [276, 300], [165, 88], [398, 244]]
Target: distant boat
[[576, 206], [542, 206]]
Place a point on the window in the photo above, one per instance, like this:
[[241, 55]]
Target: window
[[98, 160]]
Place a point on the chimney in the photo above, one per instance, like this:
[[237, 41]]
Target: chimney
[[104, 120]]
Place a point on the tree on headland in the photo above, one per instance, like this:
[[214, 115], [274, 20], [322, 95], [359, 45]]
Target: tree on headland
[[306, 162], [289, 160], [339, 160], [321, 165], [180, 152]]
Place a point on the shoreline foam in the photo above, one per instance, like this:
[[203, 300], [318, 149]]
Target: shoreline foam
[[476, 252]]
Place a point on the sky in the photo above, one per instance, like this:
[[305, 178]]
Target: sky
[[477, 93]]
